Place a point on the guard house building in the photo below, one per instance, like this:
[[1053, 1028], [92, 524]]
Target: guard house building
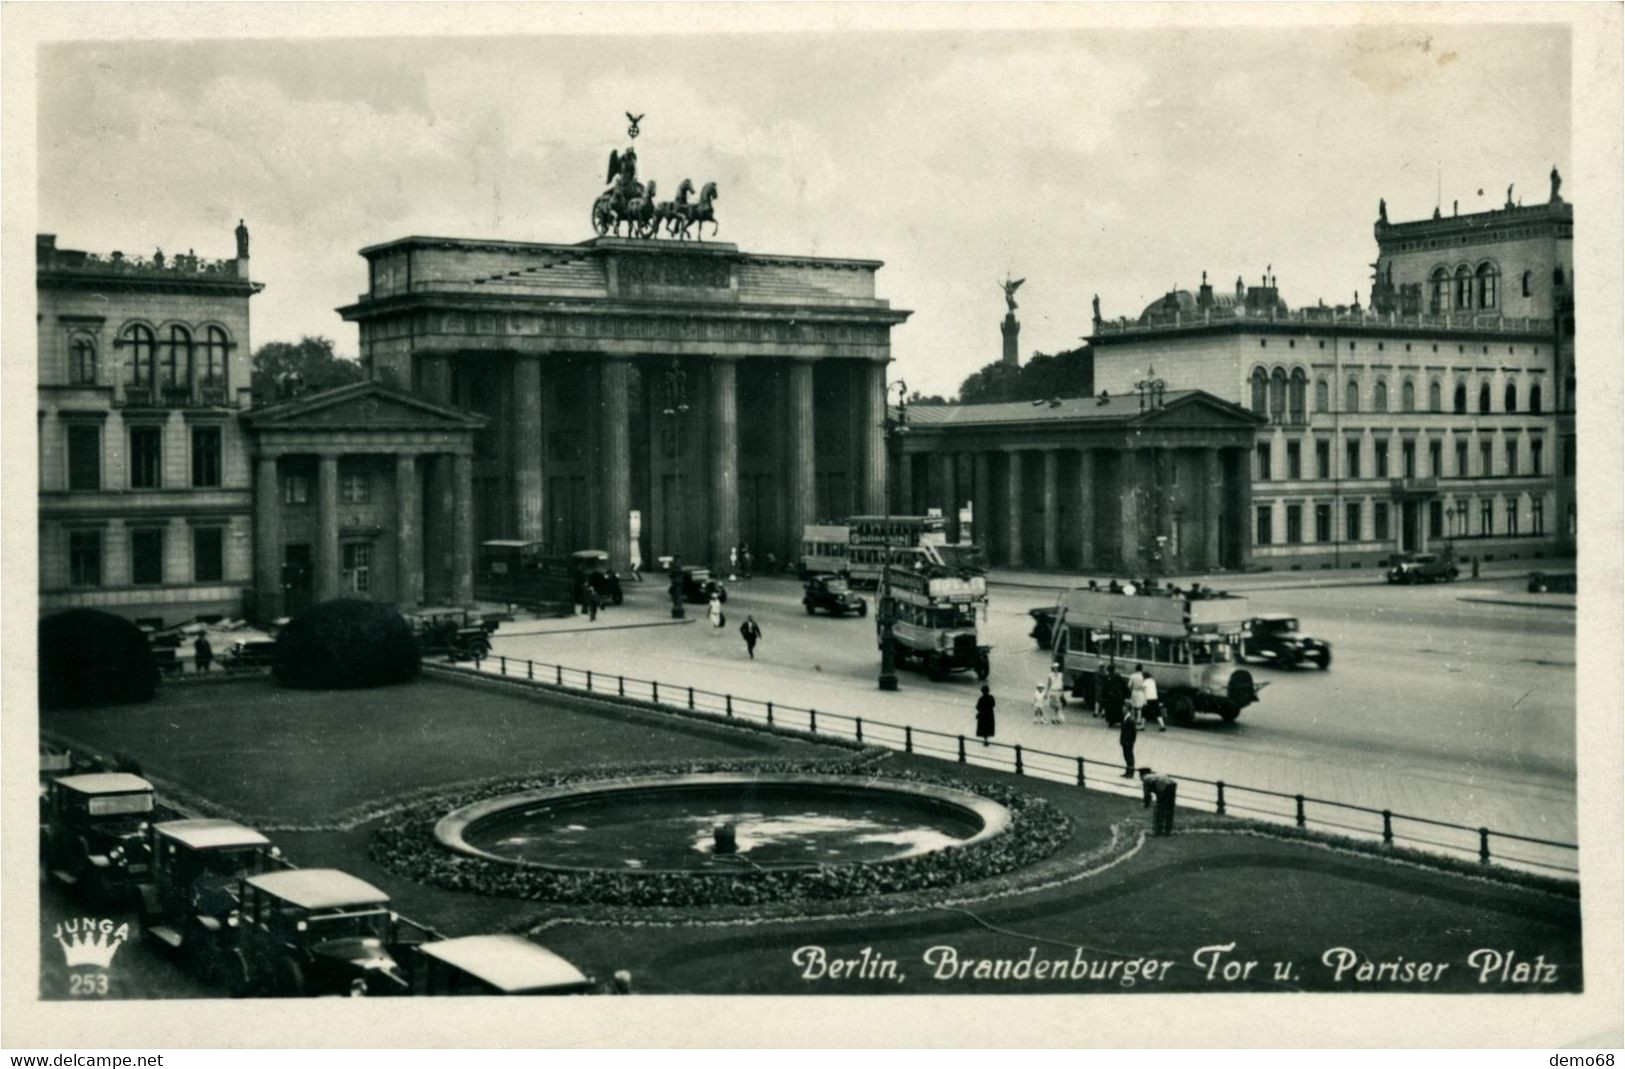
[[1440, 414], [1142, 482], [725, 398]]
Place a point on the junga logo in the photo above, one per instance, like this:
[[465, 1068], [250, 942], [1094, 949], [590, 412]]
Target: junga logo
[[89, 943]]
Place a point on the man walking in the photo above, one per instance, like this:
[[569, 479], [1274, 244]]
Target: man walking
[[1126, 734], [751, 634], [1161, 789], [593, 600]]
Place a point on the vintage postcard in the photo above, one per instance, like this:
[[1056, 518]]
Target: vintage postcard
[[956, 513]]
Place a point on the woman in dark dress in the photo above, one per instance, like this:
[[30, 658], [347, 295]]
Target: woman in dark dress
[[984, 715]]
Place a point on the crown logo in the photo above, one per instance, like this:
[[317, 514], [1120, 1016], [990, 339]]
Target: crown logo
[[90, 941]]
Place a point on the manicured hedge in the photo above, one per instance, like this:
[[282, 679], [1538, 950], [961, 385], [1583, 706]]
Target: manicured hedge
[[344, 644], [88, 657], [406, 844]]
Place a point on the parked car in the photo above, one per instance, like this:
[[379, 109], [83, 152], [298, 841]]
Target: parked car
[[591, 567], [314, 932], [494, 965], [1424, 568], [698, 586], [459, 635], [1274, 637], [832, 594], [1543, 583], [250, 653], [192, 890], [95, 833]]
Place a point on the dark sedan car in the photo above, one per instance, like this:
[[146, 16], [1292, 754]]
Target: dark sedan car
[[698, 586], [1274, 638], [831, 593]]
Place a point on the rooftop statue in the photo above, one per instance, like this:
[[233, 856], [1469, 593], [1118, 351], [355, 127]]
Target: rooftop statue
[[1382, 211], [1557, 184], [1010, 288], [633, 204]]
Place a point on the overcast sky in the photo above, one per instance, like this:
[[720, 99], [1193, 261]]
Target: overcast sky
[[1117, 161]]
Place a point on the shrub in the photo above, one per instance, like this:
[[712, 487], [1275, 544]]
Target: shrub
[[344, 644], [88, 657]]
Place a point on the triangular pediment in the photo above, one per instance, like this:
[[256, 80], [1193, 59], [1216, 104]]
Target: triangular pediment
[[1198, 409], [362, 405]]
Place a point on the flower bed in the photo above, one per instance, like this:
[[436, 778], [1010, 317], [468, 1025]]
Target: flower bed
[[406, 844]]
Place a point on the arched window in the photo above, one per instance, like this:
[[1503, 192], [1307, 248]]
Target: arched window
[[1435, 397], [1296, 391], [212, 366], [1460, 402], [1351, 396], [1323, 395], [138, 338], [1464, 289], [1512, 397], [82, 361], [1379, 396], [1439, 292], [1277, 394], [1528, 283], [175, 359], [1484, 398], [1260, 391], [1534, 398], [1407, 396], [1487, 280]]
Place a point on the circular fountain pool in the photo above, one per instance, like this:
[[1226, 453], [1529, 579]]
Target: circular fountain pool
[[669, 823]]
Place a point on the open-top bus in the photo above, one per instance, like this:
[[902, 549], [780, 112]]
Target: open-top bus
[[871, 537]]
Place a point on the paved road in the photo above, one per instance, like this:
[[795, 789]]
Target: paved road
[[1434, 706]]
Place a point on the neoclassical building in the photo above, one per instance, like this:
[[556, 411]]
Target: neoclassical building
[[698, 395]]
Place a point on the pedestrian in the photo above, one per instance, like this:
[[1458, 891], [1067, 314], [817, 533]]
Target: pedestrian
[[1126, 734], [203, 653], [752, 634], [1153, 707], [1162, 789], [714, 612], [1097, 699], [1116, 691], [744, 560], [1040, 704], [984, 715], [733, 563], [1056, 692], [1136, 695], [593, 600]]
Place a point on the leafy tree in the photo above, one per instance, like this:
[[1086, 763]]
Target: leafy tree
[[90, 657], [345, 643], [312, 359], [1066, 374], [918, 398]]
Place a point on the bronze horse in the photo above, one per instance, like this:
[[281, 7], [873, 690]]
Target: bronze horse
[[702, 212]]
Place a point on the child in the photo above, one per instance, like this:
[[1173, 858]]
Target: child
[[1040, 705]]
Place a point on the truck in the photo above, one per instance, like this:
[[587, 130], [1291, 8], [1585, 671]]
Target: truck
[[933, 613], [527, 574], [1192, 645]]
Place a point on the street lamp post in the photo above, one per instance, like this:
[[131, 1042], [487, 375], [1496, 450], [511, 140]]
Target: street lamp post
[[675, 409], [893, 429]]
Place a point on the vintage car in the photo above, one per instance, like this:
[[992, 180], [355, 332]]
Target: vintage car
[[313, 932], [591, 567], [1546, 583], [249, 653], [192, 889], [832, 594], [458, 635], [1424, 568], [698, 586], [1273, 637], [494, 965], [95, 832]]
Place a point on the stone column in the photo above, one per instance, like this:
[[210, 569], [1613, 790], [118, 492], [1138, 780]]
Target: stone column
[[903, 498], [724, 489], [982, 504], [462, 529], [802, 484], [434, 384], [1240, 487], [942, 486], [327, 526], [615, 457], [1012, 510], [528, 484], [1129, 493], [1052, 510], [267, 538], [1211, 485], [872, 442], [1088, 536], [408, 533]]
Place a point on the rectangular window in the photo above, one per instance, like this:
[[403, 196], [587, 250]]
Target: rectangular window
[[1294, 460], [1512, 456], [1323, 523], [1486, 517], [1512, 516], [1435, 458], [85, 458], [205, 456], [1461, 459], [1263, 461], [1352, 468], [296, 490], [1486, 458], [1294, 524], [1537, 515], [147, 556], [85, 558], [1435, 519], [1569, 457], [1379, 521], [1265, 524], [353, 489], [1351, 525], [1382, 458], [357, 567], [1407, 455], [1323, 459], [1537, 450], [146, 457], [208, 554]]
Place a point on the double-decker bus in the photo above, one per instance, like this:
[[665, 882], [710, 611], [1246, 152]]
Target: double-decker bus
[[1191, 645], [934, 617], [824, 549], [872, 537]]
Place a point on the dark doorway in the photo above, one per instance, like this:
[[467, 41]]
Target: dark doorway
[[1408, 533], [297, 578]]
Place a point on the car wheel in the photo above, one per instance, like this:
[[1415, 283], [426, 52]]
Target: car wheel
[[808, 606], [1180, 709], [617, 598], [722, 596], [1229, 713], [935, 671], [290, 978], [1323, 658], [863, 609], [239, 977]]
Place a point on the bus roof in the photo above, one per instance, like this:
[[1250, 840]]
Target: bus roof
[[1152, 614]]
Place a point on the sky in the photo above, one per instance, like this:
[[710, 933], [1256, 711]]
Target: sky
[[1112, 160]]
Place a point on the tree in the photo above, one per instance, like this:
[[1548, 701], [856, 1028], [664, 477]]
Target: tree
[[1066, 374], [312, 359], [918, 398]]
